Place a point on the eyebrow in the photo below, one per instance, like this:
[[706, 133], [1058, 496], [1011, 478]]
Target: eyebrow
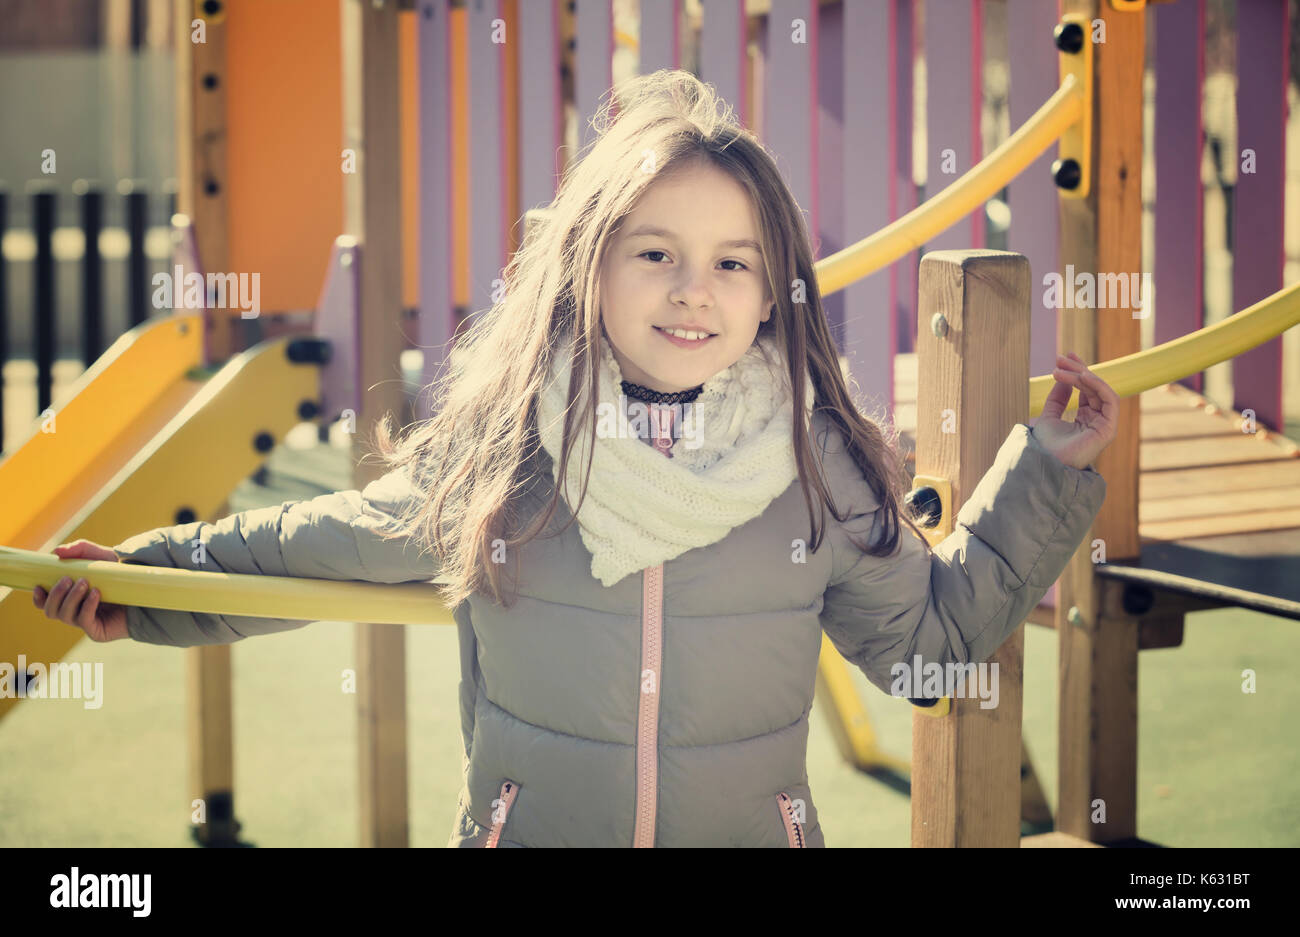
[[646, 231]]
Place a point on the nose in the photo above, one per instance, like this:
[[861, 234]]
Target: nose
[[692, 289]]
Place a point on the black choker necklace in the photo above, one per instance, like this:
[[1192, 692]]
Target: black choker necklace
[[638, 392]]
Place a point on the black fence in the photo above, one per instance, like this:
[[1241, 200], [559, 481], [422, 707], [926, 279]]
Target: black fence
[[42, 219]]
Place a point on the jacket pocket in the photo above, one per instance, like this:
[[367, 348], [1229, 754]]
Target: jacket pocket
[[793, 828], [500, 810]]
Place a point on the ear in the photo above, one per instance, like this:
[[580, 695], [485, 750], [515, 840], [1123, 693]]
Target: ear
[[767, 315]]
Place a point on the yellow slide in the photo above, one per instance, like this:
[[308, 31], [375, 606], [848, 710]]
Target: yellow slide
[[146, 440]]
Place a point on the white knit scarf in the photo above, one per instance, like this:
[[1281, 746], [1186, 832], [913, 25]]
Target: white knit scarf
[[734, 456]]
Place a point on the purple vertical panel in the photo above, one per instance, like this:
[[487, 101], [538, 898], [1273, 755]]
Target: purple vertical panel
[[791, 92], [593, 62], [866, 184], [830, 180], [953, 92], [756, 120], [540, 127], [722, 50], [486, 166], [1035, 225], [1180, 72], [1257, 255], [904, 273], [659, 45], [437, 319]]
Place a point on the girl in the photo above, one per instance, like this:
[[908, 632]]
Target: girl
[[644, 677]]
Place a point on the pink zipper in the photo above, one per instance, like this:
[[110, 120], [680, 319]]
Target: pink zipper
[[793, 829], [500, 810], [647, 721], [647, 710]]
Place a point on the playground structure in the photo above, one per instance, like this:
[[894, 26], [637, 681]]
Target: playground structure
[[975, 338]]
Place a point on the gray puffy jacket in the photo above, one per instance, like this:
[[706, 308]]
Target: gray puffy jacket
[[670, 709]]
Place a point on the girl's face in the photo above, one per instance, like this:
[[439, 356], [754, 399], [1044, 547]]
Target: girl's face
[[687, 257]]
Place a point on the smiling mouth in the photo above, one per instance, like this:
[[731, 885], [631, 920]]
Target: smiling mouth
[[678, 340]]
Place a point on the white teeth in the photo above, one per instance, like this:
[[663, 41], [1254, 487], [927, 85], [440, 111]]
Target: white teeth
[[684, 334]]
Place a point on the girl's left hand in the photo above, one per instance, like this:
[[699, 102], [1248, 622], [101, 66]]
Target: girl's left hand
[[1095, 424]]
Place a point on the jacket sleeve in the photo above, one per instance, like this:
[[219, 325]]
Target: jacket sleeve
[[1012, 539], [333, 536]]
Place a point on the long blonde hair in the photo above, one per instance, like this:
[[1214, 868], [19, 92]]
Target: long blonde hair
[[480, 451]]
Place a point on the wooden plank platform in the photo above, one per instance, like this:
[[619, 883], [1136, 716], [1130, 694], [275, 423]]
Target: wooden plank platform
[[1219, 509]]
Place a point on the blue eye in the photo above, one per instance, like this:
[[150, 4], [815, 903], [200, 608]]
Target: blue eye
[[742, 266], [643, 254]]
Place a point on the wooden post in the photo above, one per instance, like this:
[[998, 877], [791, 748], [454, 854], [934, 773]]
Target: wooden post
[[1098, 658], [372, 214], [201, 149], [201, 171], [966, 764]]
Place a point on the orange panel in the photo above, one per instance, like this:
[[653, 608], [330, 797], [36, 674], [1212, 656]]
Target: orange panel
[[284, 145]]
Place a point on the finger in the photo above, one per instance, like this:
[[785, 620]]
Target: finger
[[1106, 400], [72, 603], [55, 598], [1057, 400], [86, 619], [38, 596]]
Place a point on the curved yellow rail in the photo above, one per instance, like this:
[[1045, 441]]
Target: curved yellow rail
[[1172, 361], [230, 594], [965, 195]]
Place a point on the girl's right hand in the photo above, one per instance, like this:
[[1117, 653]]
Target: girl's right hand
[[75, 603]]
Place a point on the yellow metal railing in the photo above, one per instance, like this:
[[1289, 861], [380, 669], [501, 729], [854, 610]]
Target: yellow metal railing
[[1196, 351], [965, 195], [413, 603]]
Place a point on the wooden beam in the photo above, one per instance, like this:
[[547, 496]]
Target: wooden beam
[[201, 161], [966, 783], [372, 214], [201, 152], [1098, 654]]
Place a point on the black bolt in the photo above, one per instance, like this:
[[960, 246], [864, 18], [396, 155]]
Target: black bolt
[[1137, 599], [1067, 174], [210, 81], [309, 350], [263, 442], [186, 516], [308, 410], [211, 7], [211, 186], [923, 703], [1068, 37], [925, 505]]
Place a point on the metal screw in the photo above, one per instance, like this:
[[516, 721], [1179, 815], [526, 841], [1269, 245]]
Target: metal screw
[[1068, 37], [1074, 616], [346, 259], [1067, 174], [939, 325]]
